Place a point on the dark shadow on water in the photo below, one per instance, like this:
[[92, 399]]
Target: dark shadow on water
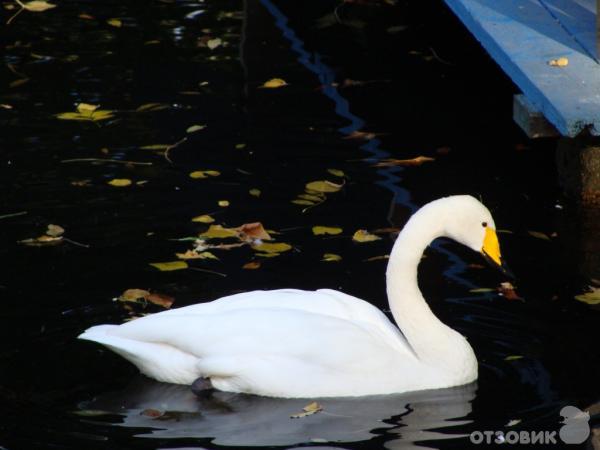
[[248, 420]]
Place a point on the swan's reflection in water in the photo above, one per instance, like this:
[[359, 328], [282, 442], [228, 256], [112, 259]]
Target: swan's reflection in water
[[247, 420]]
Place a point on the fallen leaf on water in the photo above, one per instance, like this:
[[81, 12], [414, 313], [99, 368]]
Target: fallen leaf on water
[[155, 147], [513, 357], [336, 172], [37, 6], [318, 229], [205, 218], [54, 230], [240, 146], [192, 254], [133, 295], [377, 258], [6, 106], [223, 203], [481, 290], [303, 202], [323, 186], [86, 16], [539, 235], [87, 108], [253, 231], [272, 247], [404, 162], [117, 23], [195, 128], [170, 265], [19, 82], [42, 241], [149, 107], [91, 412], [274, 83], [362, 135], [311, 408], [513, 422], [252, 265], [120, 182], [591, 298], [364, 236], [331, 257], [507, 290], [142, 295], [254, 192], [559, 62], [214, 43], [197, 174], [86, 112], [218, 231]]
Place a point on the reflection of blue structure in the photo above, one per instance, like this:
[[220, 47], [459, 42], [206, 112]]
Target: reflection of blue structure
[[523, 36]]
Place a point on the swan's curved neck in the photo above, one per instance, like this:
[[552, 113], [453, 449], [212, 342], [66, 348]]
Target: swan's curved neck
[[427, 335]]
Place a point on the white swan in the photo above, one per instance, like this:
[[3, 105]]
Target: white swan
[[294, 343]]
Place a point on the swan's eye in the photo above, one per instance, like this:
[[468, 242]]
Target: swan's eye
[[484, 224]]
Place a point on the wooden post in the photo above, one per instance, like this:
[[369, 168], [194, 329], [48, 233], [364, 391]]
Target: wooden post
[[578, 165]]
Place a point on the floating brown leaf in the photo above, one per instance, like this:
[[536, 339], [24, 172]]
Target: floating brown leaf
[[404, 162], [507, 290], [252, 265], [253, 231]]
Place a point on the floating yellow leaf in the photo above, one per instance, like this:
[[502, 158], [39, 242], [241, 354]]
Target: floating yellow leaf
[[204, 174], [55, 230], [170, 265], [336, 172], [377, 258], [364, 236], [120, 182], [87, 108], [331, 257], [219, 232], [318, 229], [272, 247], [303, 202], [214, 43], [117, 23], [155, 147], [481, 290], [254, 192], [252, 265], [311, 197], [591, 298], [274, 83], [195, 128], [133, 295], [404, 162], [223, 203], [311, 408], [240, 146], [149, 107], [559, 62], [513, 357], [37, 6], [191, 254], [323, 186], [205, 218]]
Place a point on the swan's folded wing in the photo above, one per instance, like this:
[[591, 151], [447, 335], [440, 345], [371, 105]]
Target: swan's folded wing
[[325, 302]]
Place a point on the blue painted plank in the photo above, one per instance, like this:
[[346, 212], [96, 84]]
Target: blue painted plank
[[523, 36], [579, 19]]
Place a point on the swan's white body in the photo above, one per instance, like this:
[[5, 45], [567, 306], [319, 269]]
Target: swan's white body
[[294, 343]]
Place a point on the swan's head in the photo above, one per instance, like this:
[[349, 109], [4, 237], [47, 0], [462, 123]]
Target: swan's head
[[469, 222]]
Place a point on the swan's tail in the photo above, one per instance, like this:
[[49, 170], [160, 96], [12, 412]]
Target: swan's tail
[[160, 361]]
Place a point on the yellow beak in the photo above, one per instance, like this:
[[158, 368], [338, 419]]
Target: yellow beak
[[491, 246]]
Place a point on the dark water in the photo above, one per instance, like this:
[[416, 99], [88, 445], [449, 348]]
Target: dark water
[[424, 84]]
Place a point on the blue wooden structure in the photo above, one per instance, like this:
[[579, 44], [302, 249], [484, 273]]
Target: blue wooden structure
[[523, 36]]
